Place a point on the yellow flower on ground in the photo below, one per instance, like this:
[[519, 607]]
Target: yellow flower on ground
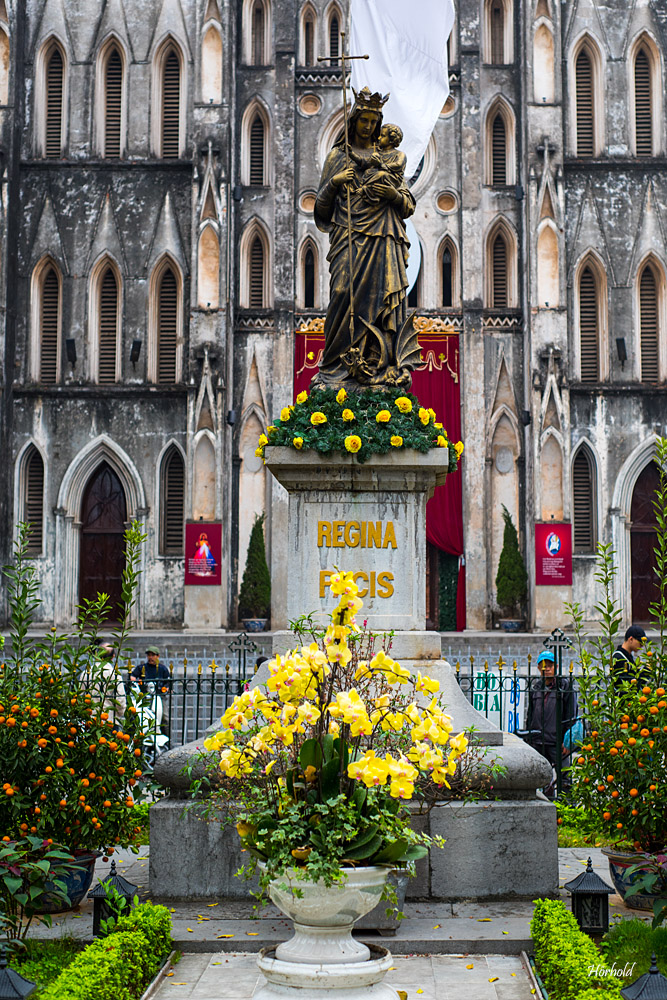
[[352, 443], [318, 418], [302, 397], [341, 396], [298, 443], [348, 415], [404, 404], [262, 440], [458, 448], [424, 415], [396, 441], [285, 414], [383, 417], [441, 442]]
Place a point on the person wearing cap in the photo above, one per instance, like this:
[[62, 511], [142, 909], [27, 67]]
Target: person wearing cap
[[542, 719], [153, 674], [623, 666]]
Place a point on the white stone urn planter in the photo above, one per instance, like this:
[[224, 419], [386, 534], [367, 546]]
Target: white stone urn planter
[[324, 916]]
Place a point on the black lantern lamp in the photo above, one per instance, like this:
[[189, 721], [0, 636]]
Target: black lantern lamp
[[651, 986], [101, 908], [590, 901], [12, 985]]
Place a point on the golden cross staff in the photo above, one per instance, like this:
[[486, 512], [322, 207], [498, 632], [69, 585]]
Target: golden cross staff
[[334, 59]]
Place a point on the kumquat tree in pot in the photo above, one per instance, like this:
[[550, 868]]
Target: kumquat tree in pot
[[320, 762]]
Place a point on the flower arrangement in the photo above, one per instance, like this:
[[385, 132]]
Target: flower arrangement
[[364, 423], [318, 763], [70, 761]]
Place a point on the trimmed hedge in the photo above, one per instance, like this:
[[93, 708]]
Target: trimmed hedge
[[121, 965], [564, 956]]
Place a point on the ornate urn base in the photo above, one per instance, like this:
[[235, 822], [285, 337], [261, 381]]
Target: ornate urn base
[[342, 981]]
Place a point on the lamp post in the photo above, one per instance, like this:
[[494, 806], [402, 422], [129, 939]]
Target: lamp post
[[13, 986], [590, 901], [101, 908], [651, 986]]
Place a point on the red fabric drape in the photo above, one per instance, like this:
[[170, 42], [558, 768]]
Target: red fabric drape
[[436, 384]]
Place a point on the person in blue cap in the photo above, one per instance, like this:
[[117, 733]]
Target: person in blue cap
[[542, 720]]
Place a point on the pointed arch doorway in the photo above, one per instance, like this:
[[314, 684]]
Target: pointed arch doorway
[[642, 543], [102, 547]]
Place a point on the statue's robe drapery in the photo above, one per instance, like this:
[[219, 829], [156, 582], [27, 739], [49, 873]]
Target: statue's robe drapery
[[379, 251]]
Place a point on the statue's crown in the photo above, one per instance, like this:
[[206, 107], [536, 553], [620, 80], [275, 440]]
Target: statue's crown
[[366, 101]]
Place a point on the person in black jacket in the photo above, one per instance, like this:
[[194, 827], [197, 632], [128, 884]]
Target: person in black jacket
[[623, 666], [154, 678], [543, 706]]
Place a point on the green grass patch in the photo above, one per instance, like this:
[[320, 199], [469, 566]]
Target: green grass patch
[[42, 961], [631, 943], [577, 828]]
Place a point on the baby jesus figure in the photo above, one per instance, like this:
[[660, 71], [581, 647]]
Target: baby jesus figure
[[386, 163]]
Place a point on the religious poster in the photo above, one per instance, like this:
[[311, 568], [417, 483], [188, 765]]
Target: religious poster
[[203, 551], [553, 554]]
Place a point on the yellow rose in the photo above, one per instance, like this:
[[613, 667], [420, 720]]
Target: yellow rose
[[262, 440], [438, 426], [341, 396], [396, 440], [348, 415], [271, 429], [383, 416], [298, 443], [318, 418], [458, 448], [404, 404], [441, 442], [353, 443], [424, 415], [285, 414], [302, 397], [432, 412]]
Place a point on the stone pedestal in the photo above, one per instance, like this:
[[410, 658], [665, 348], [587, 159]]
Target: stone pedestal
[[367, 518]]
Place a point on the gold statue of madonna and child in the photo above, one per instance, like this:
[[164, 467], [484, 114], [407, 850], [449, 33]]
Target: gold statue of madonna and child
[[362, 202]]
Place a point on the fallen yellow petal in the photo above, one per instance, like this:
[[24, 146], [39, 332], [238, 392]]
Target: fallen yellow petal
[[483, 920], [507, 932], [493, 979], [224, 935], [209, 904], [513, 974], [436, 927], [471, 966], [402, 995], [189, 930], [169, 974], [420, 991], [252, 933]]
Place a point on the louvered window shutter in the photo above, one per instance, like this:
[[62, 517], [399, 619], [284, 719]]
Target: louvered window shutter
[[497, 32], [257, 151], [309, 279], [33, 509], [54, 104], [48, 372], [258, 34], [499, 265], [334, 40], [447, 278], [643, 113], [588, 327], [583, 495], [256, 298], [171, 105], [648, 319], [308, 35], [173, 503], [108, 327], [167, 332], [112, 106], [584, 97], [499, 152]]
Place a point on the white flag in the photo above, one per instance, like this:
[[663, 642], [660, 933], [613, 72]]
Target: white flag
[[407, 44]]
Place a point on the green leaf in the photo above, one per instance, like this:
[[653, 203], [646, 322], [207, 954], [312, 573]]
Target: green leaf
[[359, 796], [414, 853], [13, 884], [327, 746], [342, 744], [391, 853], [310, 755], [365, 850], [363, 838], [330, 778]]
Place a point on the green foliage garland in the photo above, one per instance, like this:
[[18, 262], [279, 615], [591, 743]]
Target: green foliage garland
[[255, 594], [409, 424], [511, 577]]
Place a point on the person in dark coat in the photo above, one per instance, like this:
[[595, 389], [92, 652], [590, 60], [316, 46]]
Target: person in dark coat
[[153, 677], [544, 695], [623, 666]]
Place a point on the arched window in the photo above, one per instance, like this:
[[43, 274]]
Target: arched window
[[499, 298], [54, 103], [113, 102], [108, 327], [258, 33], [589, 326], [211, 66], [170, 111], [449, 291], [255, 268], [256, 274], [649, 338], [497, 31], [501, 271], [548, 277], [583, 502], [498, 152], [334, 36], [208, 269], [172, 503], [165, 325], [647, 98], [543, 65], [587, 99], [49, 326], [257, 138], [32, 499], [308, 37], [499, 158], [4, 65], [309, 276]]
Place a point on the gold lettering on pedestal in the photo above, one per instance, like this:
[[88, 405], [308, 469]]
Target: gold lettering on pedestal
[[367, 534]]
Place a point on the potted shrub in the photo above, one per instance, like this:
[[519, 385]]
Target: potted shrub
[[620, 772], [255, 593], [70, 757], [511, 578], [318, 765]]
